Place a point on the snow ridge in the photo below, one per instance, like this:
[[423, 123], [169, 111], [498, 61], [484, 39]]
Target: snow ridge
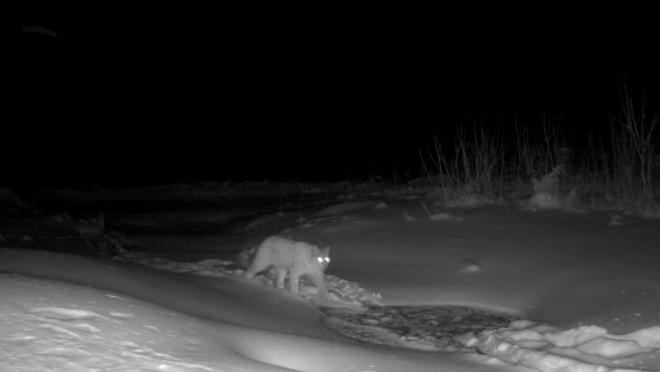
[[582, 349]]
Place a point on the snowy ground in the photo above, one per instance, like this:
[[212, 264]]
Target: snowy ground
[[586, 288]]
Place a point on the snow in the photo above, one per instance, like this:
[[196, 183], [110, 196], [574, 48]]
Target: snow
[[157, 320], [585, 348], [586, 291]]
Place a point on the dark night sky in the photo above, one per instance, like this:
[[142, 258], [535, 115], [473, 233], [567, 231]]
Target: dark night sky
[[119, 100]]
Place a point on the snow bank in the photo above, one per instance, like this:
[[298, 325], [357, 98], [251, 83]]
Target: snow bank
[[56, 326], [582, 349], [155, 320], [343, 208]]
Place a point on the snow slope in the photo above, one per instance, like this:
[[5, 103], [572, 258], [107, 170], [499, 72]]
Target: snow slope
[[564, 272], [160, 321]]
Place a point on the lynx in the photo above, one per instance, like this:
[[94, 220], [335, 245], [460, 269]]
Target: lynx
[[293, 258]]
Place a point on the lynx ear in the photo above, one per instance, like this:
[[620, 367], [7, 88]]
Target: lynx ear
[[326, 250]]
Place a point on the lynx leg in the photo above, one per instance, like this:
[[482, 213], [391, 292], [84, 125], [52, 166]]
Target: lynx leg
[[294, 281], [281, 275], [320, 283], [249, 273]]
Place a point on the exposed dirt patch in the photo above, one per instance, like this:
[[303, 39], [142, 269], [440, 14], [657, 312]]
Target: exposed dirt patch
[[417, 327]]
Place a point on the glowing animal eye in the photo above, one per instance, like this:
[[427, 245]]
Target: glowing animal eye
[[320, 259], [327, 259]]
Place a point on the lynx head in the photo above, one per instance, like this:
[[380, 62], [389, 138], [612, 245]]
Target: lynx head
[[322, 255]]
